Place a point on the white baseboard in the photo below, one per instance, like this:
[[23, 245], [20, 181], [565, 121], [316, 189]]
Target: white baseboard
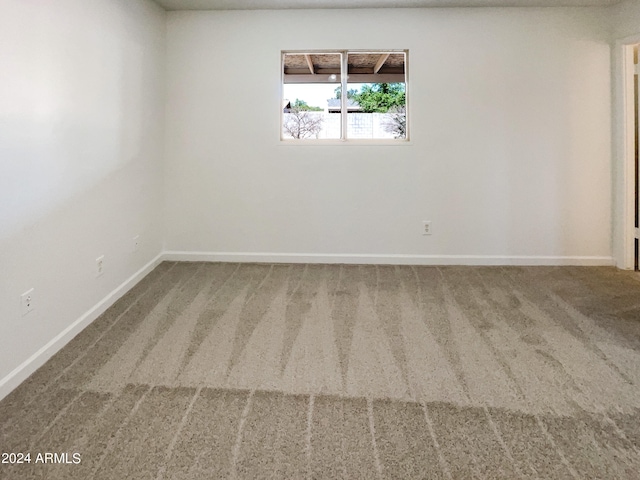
[[35, 361], [373, 259]]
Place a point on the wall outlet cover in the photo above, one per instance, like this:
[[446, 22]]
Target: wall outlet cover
[[99, 265], [27, 302]]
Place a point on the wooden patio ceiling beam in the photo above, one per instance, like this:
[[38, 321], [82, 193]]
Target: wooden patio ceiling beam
[[319, 71], [309, 63], [353, 78], [380, 62]]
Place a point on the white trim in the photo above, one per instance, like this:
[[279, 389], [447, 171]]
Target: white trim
[[391, 259], [628, 158], [624, 124], [39, 358]]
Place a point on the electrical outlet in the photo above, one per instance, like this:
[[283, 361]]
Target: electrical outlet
[[136, 243], [27, 302], [99, 265], [426, 227]]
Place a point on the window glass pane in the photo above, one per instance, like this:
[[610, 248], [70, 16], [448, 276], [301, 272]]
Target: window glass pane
[[310, 82], [376, 92]]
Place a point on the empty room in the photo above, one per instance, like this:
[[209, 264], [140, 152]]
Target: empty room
[[312, 239]]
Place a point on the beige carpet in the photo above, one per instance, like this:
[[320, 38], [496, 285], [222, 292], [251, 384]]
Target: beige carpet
[[326, 371]]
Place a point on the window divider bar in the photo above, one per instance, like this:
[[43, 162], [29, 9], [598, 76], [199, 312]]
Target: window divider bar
[[344, 101]]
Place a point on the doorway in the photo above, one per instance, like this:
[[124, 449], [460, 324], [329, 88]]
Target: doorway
[[627, 222], [636, 155]]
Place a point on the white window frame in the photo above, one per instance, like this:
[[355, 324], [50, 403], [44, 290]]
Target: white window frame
[[344, 81]]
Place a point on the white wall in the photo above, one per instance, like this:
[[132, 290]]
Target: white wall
[[81, 106], [511, 144], [625, 19]]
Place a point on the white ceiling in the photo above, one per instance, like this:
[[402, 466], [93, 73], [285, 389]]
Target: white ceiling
[[287, 4]]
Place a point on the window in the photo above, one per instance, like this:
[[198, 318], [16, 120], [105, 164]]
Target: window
[[374, 107]]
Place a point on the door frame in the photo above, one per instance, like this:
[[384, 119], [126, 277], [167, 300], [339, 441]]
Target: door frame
[[624, 168]]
